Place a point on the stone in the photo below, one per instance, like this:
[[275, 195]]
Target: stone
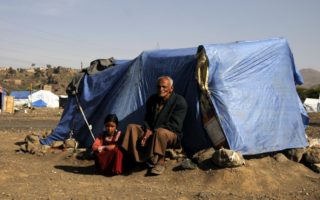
[[227, 158], [315, 167], [312, 155], [314, 142], [32, 138], [71, 143], [57, 144], [295, 154], [188, 164], [203, 155], [280, 157], [174, 153]]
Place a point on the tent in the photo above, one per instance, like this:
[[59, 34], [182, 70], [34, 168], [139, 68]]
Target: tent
[[20, 97], [2, 99], [44, 98], [249, 87], [312, 105]]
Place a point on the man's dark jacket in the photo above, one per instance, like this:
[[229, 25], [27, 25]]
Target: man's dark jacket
[[171, 116]]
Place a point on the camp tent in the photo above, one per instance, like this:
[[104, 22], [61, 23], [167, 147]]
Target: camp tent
[[250, 86], [20, 97], [312, 105], [2, 99], [44, 98]]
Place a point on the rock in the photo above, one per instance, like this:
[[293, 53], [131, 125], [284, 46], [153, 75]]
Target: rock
[[312, 155], [57, 144], [280, 157], [314, 142], [188, 164], [32, 138], [315, 167], [203, 155], [174, 153], [170, 153], [227, 158], [295, 154], [71, 143], [205, 195]]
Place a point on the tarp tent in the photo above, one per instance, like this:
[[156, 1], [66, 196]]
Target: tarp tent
[[250, 84], [2, 95], [312, 105], [44, 98], [20, 97]]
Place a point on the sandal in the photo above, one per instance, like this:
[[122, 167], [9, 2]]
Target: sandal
[[158, 169]]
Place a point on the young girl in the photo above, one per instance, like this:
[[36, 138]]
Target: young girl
[[108, 155]]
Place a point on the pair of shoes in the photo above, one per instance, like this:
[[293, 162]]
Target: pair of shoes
[[158, 169]]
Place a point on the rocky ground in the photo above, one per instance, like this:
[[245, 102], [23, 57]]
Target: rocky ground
[[60, 175]]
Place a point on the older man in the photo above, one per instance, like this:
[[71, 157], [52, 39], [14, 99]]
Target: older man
[[162, 127]]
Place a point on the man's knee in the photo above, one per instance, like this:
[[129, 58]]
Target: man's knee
[[131, 126], [161, 132]]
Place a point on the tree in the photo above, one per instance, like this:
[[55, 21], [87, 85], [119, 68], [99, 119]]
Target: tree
[[37, 72]]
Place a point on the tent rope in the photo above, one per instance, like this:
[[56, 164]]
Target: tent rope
[[85, 119]]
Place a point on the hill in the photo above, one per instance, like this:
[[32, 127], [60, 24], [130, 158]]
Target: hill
[[36, 78], [311, 78]]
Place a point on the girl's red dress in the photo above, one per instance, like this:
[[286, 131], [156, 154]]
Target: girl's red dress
[[108, 162]]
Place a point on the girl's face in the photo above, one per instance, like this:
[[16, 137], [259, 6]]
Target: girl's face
[[110, 127]]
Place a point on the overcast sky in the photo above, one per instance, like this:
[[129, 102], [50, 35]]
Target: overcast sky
[[68, 32]]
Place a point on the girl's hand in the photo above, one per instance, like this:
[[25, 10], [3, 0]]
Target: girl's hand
[[110, 147], [101, 148]]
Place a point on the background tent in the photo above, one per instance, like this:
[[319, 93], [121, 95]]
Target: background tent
[[44, 98], [251, 86], [2, 95], [20, 97], [312, 105]]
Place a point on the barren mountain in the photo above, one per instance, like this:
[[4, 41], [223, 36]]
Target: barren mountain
[[311, 77]]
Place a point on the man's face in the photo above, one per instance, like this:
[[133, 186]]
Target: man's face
[[164, 88]]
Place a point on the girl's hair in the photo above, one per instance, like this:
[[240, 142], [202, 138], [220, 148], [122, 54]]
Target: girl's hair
[[111, 118]]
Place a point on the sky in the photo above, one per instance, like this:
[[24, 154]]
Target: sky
[[72, 33]]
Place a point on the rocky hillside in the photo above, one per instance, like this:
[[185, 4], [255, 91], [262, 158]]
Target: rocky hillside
[[36, 78], [311, 78]]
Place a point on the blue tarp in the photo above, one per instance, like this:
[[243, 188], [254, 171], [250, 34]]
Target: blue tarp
[[3, 94], [20, 94], [252, 87], [39, 103]]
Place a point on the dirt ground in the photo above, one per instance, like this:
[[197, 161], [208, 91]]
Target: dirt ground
[[60, 175]]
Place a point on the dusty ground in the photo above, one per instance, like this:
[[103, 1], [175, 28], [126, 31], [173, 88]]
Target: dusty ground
[[60, 175]]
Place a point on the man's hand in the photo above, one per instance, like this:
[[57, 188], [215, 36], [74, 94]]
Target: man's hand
[[146, 135]]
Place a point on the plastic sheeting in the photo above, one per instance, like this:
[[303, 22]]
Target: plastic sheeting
[[39, 103], [44, 97], [2, 95], [252, 87], [20, 94], [253, 90]]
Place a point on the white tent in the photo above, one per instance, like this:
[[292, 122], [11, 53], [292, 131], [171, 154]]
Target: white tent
[[44, 98], [312, 105]]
